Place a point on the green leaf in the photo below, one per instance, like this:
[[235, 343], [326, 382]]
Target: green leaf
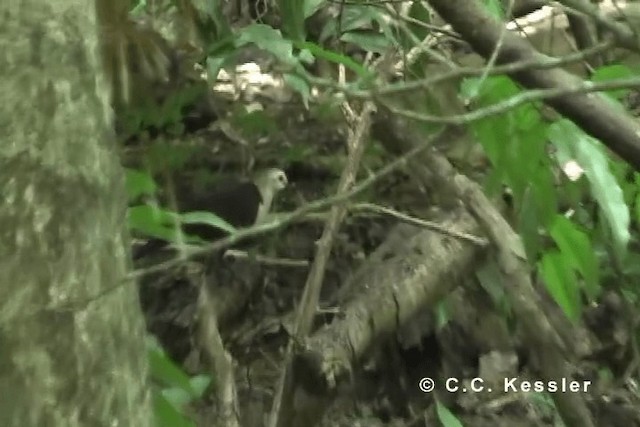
[[299, 85], [443, 315], [545, 195], [139, 183], [311, 7], [306, 57], [200, 384], [166, 414], [446, 417], [207, 218], [494, 7], [529, 225], [352, 17], [589, 154], [491, 280], [152, 221], [178, 397], [488, 91], [420, 13], [613, 72], [367, 40], [214, 65], [337, 58], [576, 247], [268, 39], [139, 7], [164, 370], [292, 13], [561, 283], [623, 173], [631, 266]]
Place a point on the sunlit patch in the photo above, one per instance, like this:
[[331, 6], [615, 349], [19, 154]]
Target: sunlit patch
[[572, 170]]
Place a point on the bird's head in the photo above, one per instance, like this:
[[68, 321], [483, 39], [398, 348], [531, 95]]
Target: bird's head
[[269, 182], [273, 179]]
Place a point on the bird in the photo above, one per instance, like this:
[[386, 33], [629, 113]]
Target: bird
[[241, 203]]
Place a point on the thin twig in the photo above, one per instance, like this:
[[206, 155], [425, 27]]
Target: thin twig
[[282, 402], [480, 241], [265, 260]]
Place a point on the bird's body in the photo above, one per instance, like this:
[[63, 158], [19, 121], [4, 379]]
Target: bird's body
[[241, 203]]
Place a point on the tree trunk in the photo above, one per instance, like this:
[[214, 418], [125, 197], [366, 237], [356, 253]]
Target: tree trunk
[[71, 348]]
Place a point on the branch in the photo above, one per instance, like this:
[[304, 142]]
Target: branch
[[594, 114]]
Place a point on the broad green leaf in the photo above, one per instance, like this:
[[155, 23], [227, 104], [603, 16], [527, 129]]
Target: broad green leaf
[[529, 224], [178, 397], [306, 57], [292, 14], [442, 315], [166, 414], [139, 183], [223, 48], [494, 7], [488, 91], [625, 175], [491, 280], [631, 265], [446, 417], [212, 22], [526, 163], [337, 58], [368, 41], [420, 13], [152, 221], [207, 218], [139, 7], [561, 283], [166, 371], [214, 65], [576, 247], [589, 154], [613, 72], [538, 204], [545, 195], [268, 39], [311, 7], [200, 384], [492, 134], [357, 17], [299, 85]]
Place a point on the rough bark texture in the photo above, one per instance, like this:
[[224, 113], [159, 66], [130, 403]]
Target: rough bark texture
[[64, 362]]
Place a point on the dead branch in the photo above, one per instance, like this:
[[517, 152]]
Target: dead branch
[[408, 273]]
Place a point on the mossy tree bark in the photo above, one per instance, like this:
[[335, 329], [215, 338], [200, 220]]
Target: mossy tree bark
[[63, 361]]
